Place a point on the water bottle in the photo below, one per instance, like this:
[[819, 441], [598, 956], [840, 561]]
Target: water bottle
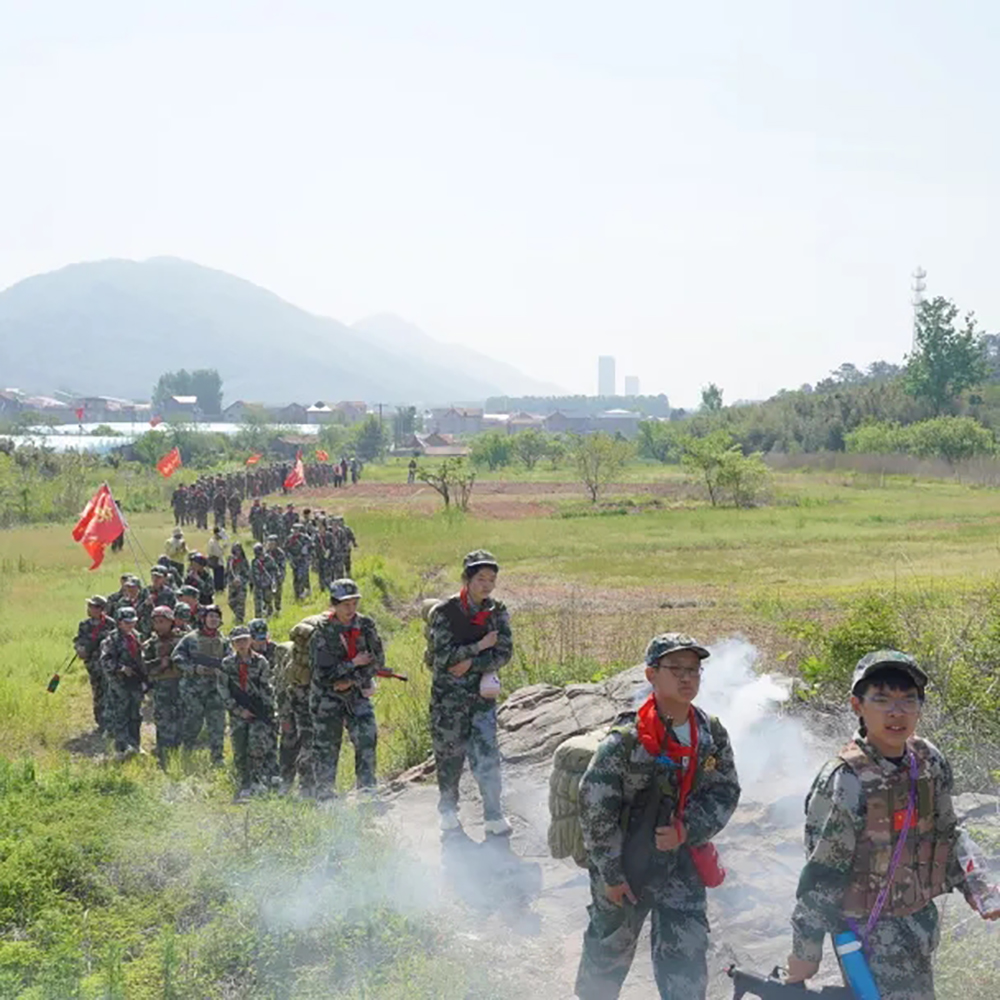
[[985, 895], [855, 966], [53, 684]]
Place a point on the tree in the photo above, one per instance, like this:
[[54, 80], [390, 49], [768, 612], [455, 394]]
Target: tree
[[452, 479], [555, 452], [205, 383], [711, 398], [492, 449], [599, 458], [530, 446], [882, 371], [659, 441], [946, 361], [727, 473], [404, 423], [369, 438]]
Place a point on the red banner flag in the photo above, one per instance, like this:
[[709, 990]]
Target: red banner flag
[[99, 525], [156, 421], [254, 459], [170, 462], [322, 455], [79, 414], [297, 477]]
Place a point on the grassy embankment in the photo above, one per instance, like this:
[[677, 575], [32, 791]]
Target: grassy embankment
[[588, 590]]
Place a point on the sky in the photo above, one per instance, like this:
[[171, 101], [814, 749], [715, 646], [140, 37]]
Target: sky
[[723, 192]]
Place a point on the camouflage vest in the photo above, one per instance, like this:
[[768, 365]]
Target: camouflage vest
[[300, 669], [924, 860], [210, 645]]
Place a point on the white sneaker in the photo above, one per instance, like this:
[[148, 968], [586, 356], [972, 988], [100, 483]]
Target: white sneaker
[[450, 821], [498, 827]]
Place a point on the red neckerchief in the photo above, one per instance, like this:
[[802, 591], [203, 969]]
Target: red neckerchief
[[210, 632], [97, 626], [659, 743], [131, 643], [244, 675], [480, 618], [349, 637]]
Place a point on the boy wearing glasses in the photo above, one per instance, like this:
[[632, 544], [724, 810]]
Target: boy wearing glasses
[[882, 839], [661, 784]]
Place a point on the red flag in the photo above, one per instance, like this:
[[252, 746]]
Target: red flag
[[156, 421], [79, 414], [297, 477], [99, 525], [322, 455], [254, 459], [170, 462]]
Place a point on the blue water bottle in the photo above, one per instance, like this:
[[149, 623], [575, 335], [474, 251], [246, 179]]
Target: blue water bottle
[[856, 971]]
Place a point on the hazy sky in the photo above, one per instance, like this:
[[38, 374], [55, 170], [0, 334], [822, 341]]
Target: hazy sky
[[721, 191]]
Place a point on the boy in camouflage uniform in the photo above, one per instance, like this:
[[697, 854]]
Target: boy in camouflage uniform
[[277, 555], [237, 580], [468, 637], [345, 650], [659, 787], [90, 634], [252, 736], [856, 812], [262, 571], [158, 594], [121, 661], [164, 678], [298, 547], [201, 691]]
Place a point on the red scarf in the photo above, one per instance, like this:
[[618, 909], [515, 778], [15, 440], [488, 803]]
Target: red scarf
[[349, 637], [659, 743], [244, 675], [95, 630], [480, 618], [131, 643]]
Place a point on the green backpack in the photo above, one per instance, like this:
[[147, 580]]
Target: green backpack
[[571, 759]]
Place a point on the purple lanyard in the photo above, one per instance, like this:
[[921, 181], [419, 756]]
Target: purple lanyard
[[883, 895]]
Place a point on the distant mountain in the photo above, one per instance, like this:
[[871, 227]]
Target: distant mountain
[[112, 327], [396, 334]]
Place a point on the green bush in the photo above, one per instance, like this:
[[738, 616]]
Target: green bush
[[950, 438]]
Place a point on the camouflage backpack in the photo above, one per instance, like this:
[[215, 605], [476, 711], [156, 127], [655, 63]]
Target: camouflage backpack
[[299, 671], [571, 759]]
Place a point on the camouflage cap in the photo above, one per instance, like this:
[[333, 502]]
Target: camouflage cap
[[133, 581], [126, 614], [97, 601], [210, 609], [258, 546], [871, 662], [236, 547], [270, 538], [480, 559], [183, 612], [162, 611], [240, 632], [258, 628], [157, 570], [188, 591], [197, 557], [667, 642], [344, 590]]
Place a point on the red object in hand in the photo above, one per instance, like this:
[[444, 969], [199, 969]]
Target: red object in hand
[[706, 864]]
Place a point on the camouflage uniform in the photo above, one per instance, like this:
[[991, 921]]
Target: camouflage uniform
[[254, 752], [349, 542], [161, 597], [298, 553], [902, 943], [237, 578], [123, 692], [90, 634], [262, 571], [277, 555], [201, 695], [463, 723], [256, 519], [296, 720], [332, 710], [164, 678]]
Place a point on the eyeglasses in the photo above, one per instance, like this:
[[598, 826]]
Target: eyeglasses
[[907, 706], [685, 672]]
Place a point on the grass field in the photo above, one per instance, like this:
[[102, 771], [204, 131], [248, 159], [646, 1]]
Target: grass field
[[587, 586]]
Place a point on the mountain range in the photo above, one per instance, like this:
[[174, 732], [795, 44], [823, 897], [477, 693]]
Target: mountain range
[[112, 327]]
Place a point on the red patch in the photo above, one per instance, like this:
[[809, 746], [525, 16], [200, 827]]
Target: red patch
[[899, 819]]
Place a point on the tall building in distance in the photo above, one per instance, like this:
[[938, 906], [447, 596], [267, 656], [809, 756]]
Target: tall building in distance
[[605, 375], [631, 385]]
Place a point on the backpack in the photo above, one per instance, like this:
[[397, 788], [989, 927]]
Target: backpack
[[300, 671], [571, 759]]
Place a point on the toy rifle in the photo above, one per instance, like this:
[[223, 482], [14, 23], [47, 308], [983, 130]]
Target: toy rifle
[[391, 676], [772, 988], [244, 699]]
